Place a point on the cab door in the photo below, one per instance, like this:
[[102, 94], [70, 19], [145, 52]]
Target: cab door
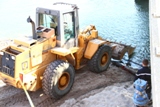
[[69, 30]]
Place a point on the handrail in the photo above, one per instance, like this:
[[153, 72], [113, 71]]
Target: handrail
[[73, 5]]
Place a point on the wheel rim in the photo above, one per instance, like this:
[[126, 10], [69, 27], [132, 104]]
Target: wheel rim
[[104, 59], [64, 81]]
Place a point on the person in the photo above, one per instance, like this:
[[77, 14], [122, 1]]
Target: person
[[145, 74]]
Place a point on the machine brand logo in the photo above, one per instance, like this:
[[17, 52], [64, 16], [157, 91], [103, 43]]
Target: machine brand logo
[[24, 65]]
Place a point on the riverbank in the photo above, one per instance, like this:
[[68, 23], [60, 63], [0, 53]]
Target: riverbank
[[112, 88]]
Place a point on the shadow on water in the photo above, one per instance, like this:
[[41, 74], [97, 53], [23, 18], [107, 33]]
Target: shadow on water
[[142, 5]]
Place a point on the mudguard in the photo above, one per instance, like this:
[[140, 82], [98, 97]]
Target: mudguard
[[92, 47]]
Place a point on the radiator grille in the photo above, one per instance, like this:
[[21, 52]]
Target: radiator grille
[[7, 64]]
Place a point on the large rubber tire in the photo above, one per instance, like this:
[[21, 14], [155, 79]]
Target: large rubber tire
[[58, 79], [101, 59]]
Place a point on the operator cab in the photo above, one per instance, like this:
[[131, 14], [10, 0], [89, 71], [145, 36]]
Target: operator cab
[[63, 18]]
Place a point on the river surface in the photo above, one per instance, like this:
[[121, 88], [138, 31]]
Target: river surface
[[125, 21]]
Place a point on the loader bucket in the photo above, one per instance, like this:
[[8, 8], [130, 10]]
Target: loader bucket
[[119, 50]]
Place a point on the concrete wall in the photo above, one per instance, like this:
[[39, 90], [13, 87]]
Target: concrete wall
[[154, 18]]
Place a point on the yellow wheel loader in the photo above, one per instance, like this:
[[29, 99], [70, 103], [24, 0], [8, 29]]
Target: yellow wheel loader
[[48, 59]]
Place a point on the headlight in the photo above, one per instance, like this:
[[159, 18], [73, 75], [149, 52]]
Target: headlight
[[13, 57]]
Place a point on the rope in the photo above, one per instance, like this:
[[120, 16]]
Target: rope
[[29, 98], [132, 62]]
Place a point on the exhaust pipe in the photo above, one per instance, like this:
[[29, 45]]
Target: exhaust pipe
[[29, 20]]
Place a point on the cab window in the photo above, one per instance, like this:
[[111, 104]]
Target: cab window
[[49, 21], [69, 31]]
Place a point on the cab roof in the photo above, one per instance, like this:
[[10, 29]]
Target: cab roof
[[59, 6]]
